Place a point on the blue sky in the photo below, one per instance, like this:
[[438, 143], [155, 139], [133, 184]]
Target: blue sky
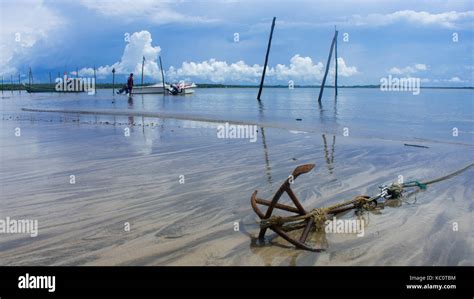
[[196, 39]]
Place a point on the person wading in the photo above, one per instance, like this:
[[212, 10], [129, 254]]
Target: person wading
[[130, 84]]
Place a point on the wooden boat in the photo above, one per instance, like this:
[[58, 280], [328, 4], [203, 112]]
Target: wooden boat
[[49, 88]]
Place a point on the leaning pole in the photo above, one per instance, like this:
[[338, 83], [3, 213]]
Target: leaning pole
[[327, 68], [266, 59], [335, 61], [162, 75]]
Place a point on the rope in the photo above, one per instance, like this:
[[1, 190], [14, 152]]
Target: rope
[[449, 175], [393, 191]]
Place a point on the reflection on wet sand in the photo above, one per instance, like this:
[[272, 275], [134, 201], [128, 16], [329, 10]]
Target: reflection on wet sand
[[268, 168], [131, 119], [329, 156]]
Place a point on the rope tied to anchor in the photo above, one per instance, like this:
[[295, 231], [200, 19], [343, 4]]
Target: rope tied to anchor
[[361, 202]]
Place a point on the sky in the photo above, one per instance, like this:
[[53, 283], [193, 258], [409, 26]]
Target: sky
[[224, 41]]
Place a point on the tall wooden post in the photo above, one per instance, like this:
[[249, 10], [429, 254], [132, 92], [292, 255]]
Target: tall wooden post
[[327, 68], [143, 65], [30, 77], [113, 81], [335, 60], [162, 75], [95, 82], [266, 59]]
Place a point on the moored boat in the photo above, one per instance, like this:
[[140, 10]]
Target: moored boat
[[71, 85], [173, 89]]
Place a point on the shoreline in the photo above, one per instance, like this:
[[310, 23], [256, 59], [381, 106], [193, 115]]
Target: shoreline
[[17, 87]]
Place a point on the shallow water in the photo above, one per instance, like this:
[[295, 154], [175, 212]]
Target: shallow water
[[367, 113], [136, 179]]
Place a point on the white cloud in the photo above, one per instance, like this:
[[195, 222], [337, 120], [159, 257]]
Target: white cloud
[[302, 70], [344, 70], [156, 11], [216, 71], [23, 24], [451, 19], [140, 45], [408, 70], [456, 80]]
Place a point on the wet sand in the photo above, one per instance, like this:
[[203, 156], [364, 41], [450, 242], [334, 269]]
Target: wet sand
[[136, 180]]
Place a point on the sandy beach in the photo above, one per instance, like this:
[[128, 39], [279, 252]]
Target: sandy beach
[[180, 191]]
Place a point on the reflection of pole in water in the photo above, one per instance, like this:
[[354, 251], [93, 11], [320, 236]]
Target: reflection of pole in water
[[333, 148], [321, 114], [143, 118], [329, 157], [131, 120], [268, 168]]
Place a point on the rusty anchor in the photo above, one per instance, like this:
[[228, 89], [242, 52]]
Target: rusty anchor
[[306, 220], [315, 219]]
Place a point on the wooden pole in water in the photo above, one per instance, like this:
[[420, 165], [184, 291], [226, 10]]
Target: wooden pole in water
[[143, 65], [335, 60], [327, 68], [95, 82], [162, 75], [113, 81], [266, 59]]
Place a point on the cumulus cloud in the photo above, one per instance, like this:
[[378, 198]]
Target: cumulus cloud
[[408, 70], [23, 24], [139, 45], [216, 71], [156, 11], [343, 69], [302, 70]]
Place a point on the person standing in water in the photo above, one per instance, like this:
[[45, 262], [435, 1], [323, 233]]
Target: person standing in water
[[130, 84]]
